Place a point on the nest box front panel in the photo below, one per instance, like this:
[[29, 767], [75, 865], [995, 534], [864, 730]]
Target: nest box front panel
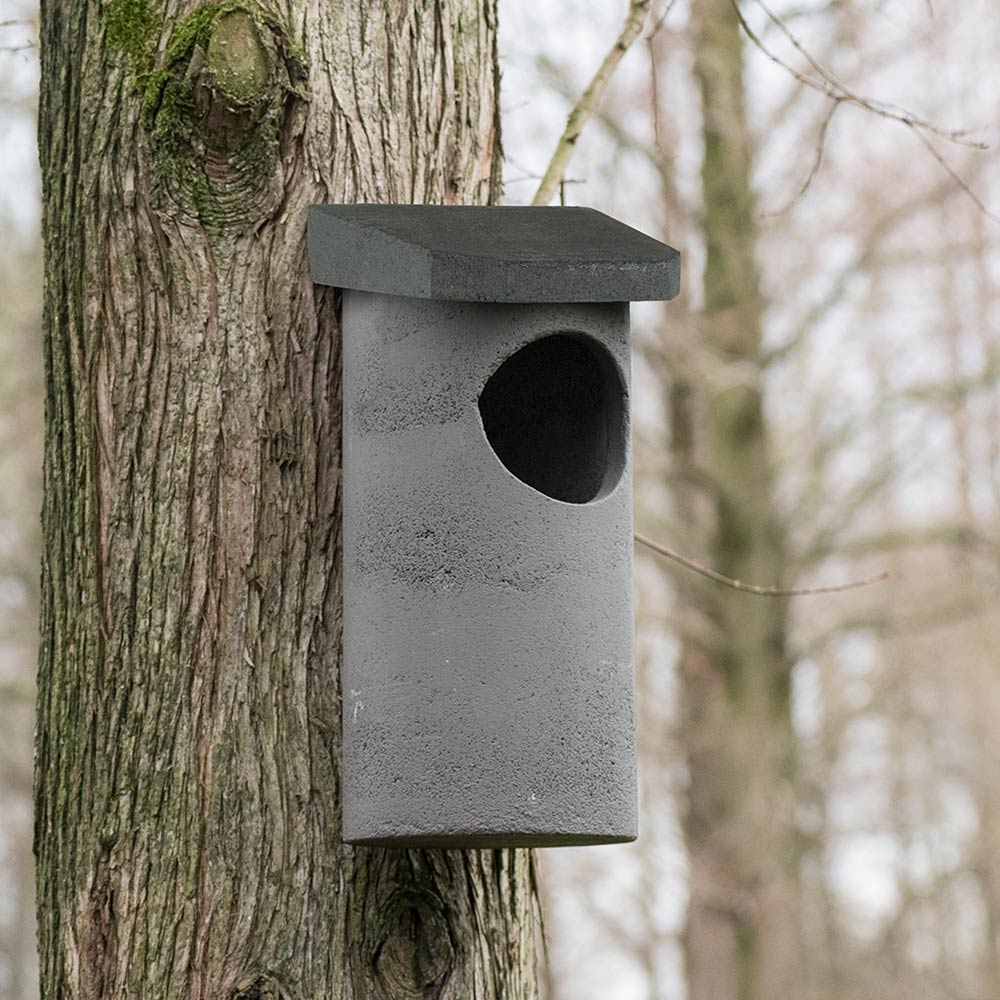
[[487, 676]]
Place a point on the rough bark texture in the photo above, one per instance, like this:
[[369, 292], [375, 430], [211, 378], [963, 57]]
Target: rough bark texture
[[741, 935], [187, 781]]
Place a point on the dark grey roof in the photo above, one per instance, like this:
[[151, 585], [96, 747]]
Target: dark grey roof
[[488, 254]]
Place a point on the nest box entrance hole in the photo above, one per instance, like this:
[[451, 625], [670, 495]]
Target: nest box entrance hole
[[556, 415]]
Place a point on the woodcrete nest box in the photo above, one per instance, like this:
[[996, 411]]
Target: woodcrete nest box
[[487, 674]]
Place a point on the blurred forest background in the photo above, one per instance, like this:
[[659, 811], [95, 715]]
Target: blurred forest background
[[819, 773]]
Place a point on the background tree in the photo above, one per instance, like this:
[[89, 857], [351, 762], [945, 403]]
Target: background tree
[[845, 227], [741, 938], [187, 809]]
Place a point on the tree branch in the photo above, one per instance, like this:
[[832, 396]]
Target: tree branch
[[817, 160], [828, 84], [589, 99], [751, 588]]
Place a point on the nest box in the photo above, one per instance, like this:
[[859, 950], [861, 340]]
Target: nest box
[[487, 672]]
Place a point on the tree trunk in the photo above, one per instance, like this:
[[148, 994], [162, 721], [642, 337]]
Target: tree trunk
[[741, 935], [188, 748]]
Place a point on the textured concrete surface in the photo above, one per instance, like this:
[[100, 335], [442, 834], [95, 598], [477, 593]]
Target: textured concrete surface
[[488, 254], [487, 674]]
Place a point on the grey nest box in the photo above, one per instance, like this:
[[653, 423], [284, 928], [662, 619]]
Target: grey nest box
[[487, 675]]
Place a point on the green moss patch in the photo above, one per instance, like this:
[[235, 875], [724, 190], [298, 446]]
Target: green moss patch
[[131, 26], [212, 103]]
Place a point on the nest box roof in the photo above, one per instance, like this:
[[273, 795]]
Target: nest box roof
[[488, 254]]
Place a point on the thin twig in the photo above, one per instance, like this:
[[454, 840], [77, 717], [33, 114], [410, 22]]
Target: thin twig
[[589, 99], [835, 103], [661, 20], [833, 87], [751, 588], [960, 181], [838, 91]]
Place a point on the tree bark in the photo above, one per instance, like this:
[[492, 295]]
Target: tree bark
[[187, 758], [741, 938]]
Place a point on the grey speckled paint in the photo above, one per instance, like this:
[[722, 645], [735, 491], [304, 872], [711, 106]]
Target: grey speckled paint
[[487, 673], [487, 677]]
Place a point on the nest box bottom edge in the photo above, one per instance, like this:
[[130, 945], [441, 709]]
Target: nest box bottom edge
[[497, 839]]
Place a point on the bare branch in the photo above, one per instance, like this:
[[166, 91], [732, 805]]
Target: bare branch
[[589, 99], [952, 173], [826, 83], [19, 23], [817, 160], [661, 20], [751, 588], [609, 121], [833, 87]]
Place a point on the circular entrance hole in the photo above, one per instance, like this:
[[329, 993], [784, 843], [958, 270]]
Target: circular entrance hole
[[555, 415]]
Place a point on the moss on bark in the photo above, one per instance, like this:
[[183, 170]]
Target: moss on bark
[[131, 27], [212, 103]]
